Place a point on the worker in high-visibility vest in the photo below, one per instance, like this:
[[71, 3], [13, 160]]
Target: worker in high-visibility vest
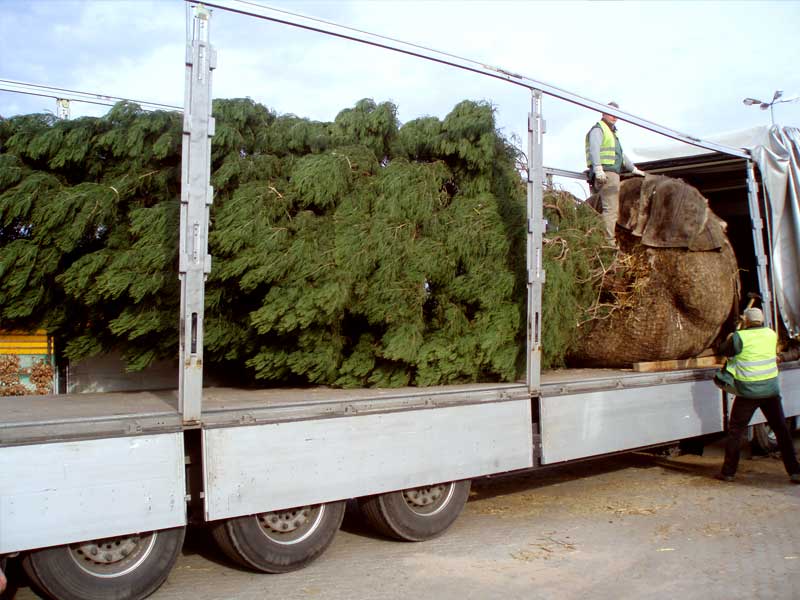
[[605, 160], [752, 359]]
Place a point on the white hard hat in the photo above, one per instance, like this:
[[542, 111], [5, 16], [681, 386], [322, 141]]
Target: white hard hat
[[754, 316]]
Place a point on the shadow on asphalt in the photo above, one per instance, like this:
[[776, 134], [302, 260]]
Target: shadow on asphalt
[[704, 462], [499, 485], [356, 523], [199, 541]]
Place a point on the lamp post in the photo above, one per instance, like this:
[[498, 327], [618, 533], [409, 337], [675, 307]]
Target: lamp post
[[777, 98]]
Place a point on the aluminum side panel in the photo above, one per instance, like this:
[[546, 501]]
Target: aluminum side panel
[[53, 494], [790, 392], [259, 468], [588, 424]]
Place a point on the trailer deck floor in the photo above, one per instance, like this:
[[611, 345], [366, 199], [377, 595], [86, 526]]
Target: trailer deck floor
[[29, 419]]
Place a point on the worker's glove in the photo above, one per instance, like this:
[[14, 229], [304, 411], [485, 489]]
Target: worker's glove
[[638, 172], [600, 176]]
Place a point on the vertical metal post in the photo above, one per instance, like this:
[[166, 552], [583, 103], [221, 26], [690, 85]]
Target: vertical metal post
[[758, 244], [535, 234], [196, 198]]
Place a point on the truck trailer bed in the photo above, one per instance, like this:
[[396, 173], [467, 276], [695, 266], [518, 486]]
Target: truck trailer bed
[[30, 419]]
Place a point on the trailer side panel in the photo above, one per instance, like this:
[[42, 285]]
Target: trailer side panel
[[260, 468], [790, 392], [53, 494], [593, 423]]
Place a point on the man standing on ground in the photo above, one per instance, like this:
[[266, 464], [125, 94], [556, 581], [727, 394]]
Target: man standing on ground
[[752, 353], [605, 160]]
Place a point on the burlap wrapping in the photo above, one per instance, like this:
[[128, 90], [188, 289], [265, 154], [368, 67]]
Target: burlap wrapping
[[683, 285], [668, 213]]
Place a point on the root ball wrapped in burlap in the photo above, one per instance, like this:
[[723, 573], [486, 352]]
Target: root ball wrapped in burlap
[[665, 301]]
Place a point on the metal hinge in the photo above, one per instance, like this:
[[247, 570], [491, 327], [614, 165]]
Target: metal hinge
[[536, 451]]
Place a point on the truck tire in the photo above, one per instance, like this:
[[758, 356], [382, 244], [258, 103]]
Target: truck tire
[[4, 569], [763, 440], [123, 568], [280, 541], [417, 514]]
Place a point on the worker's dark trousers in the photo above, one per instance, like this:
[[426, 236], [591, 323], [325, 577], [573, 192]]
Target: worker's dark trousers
[[741, 413]]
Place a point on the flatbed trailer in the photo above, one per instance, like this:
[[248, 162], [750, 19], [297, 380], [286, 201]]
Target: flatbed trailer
[[67, 417], [96, 490], [95, 467], [65, 458]]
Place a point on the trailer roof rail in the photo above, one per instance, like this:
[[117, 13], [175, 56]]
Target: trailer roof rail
[[259, 11], [48, 91]]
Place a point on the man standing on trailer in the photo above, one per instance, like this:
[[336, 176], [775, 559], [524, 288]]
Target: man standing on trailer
[[752, 359], [605, 160]]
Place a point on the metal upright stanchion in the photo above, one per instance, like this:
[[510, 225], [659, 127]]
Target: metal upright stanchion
[[196, 197]]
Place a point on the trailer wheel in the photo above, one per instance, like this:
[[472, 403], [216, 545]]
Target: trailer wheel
[[764, 440], [416, 514], [762, 437], [4, 570], [280, 541], [123, 568]]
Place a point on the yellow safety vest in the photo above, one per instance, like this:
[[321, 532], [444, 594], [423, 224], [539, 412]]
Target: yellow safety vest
[[757, 360], [610, 149]]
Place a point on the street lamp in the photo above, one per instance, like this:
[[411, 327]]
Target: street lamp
[[777, 98]]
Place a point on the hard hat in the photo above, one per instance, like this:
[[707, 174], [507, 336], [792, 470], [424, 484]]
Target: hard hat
[[614, 104], [754, 316]]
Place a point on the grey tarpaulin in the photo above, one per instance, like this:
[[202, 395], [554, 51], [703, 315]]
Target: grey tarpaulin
[[776, 152], [778, 160]]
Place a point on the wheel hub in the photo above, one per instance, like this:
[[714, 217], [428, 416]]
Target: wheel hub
[[112, 557], [107, 552], [291, 526], [424, 496], [286, 521]]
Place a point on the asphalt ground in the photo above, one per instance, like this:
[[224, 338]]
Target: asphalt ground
[[636, 525]]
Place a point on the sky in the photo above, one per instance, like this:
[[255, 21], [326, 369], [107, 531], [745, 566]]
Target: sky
[[684, 65]]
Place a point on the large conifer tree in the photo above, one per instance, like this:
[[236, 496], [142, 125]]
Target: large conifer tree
[[352, 253]]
